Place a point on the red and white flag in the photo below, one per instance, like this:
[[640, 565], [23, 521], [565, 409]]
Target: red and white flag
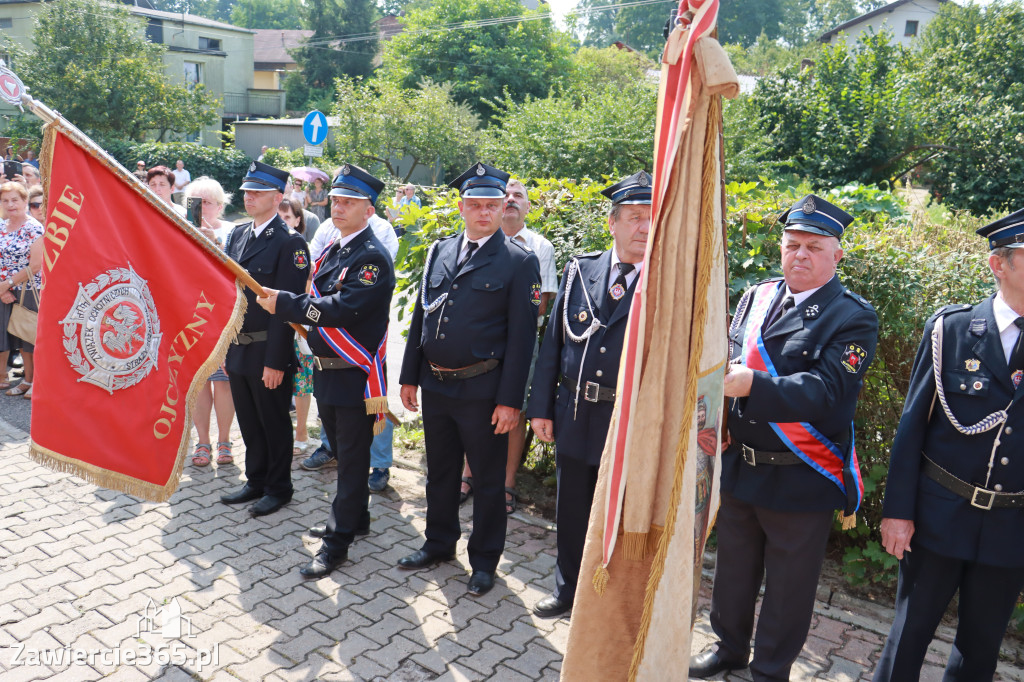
[[137, 310]]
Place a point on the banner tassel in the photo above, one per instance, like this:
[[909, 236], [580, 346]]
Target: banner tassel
[[601, 578], [849, 520]]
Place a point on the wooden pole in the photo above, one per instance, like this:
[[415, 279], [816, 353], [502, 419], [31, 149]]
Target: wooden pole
[[241, 274]]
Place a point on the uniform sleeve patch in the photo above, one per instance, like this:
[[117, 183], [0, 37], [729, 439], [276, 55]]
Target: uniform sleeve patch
[[368, 275], [535, 294], [853, 358], [301, 259], [312, 314]]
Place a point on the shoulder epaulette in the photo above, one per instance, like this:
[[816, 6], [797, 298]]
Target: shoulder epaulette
[[955, 308], [590, 254], [769, 280], [521, 245], [859, 299]]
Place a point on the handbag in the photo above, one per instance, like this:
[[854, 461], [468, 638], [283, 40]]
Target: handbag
[[23, 320]]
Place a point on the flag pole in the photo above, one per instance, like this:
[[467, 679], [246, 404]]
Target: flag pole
[[49, 116]]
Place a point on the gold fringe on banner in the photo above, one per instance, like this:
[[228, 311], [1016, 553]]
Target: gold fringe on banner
[[700, 313]]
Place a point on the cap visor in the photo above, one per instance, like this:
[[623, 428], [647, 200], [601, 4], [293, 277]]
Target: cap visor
[[636, 202], [346, 192], [259, 187], [483, 193], [813, 229]]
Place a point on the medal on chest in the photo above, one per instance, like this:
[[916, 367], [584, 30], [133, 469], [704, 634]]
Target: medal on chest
[[617, 292], [1016, 377]]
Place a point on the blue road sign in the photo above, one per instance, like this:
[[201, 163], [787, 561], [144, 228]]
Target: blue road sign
[[314, 127]]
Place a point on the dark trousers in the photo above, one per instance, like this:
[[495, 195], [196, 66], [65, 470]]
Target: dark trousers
[[576, 483], [267, 432], [927, 583], [350, 432], [786, 549], [452, 427]]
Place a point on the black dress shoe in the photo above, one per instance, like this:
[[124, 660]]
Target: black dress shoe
[[320, 530], [551, 607], [421, 558], [323, 563], [709, 664], [480, 583], [268, 504], [246, 494]]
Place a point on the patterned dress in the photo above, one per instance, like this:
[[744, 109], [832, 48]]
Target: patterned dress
[[14, 255]]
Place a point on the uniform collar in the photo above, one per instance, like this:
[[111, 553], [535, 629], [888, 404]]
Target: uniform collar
[[798, 299], [1003, 313], [479, 242], [613, 271], [342, 241], [257, 230]]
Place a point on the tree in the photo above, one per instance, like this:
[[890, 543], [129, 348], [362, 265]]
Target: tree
[[641, 27], [593, 25], [381, 125], [744, 23], [343, 43], [466, 43], [283, 14], [92, 63], [969, 93]]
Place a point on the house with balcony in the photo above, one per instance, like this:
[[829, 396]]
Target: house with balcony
[[199, 50]]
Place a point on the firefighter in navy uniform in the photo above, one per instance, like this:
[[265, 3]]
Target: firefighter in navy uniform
[[800, 347], [471, 341], [349, 306], [573, 389], [955, 490], [261, 361]]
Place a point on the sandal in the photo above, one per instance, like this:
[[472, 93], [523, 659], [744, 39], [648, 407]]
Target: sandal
[[21, 389], [513, 504], [466, 494], [28, 394], [6, 384], [224, 453], [201, 456]]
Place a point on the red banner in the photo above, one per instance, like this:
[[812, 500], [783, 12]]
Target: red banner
[[137, 310]]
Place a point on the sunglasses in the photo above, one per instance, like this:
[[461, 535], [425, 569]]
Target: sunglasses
[[35, 204]]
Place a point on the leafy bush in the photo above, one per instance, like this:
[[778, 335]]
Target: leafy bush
[[226, 166]]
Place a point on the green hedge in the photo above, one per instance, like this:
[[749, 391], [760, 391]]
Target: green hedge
[[226, 166]]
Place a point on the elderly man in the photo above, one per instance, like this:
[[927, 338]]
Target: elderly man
[[261, 361], [799, 350], [470, 343], [955, 492], [513, 224], [349, 307], [573, 389]]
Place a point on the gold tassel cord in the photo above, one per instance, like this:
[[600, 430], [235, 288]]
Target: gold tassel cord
[[600, 580], [634, 546], [849, 520], [700, 313]]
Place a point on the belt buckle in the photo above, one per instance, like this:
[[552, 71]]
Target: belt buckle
[[316, 363], [436, 371], [981, 505], [749, 455], [591, 391]]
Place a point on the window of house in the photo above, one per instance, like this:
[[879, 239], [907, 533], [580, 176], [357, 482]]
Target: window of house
[[155, 30], [911, 29], [6, 22], [209, 43], [193, 74]]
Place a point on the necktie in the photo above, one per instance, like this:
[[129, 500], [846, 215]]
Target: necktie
[[617, 291], [787, 304], [471, 248], [1017, 355]]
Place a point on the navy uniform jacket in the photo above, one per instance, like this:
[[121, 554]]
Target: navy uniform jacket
[[945, 523], [807, 345], [279, 259], [361, 305], [581, 437], [490, 313]]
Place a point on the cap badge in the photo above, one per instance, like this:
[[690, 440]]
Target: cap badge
[[973, 364], [808, 207], [480, 170], [642, 181], [345, 170], [252, 167]]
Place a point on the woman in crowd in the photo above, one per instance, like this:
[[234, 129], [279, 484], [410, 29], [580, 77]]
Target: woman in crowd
[[36, 203], [216, 394], [161, 180], [21, 258], [316, 200], [290, 211], [297, 192]]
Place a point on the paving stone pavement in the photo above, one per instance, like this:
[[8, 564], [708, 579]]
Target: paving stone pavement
[[84, 569]]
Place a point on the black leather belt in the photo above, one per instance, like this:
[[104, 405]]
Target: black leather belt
[[331, 363], [245, 338], [592, 393], [755, 457], [979, 497], [468, 372]]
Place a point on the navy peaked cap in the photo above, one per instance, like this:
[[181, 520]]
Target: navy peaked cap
[[264, 178], [636, 189], [481, 181], [1008, 231], [353, 181], [814, 214]]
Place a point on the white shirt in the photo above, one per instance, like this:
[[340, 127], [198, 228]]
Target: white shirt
[[1008, 331], [257, 230], [545, 254], [479, 244], [327, 233], [614, 272], [181, 178], [801, 297]]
